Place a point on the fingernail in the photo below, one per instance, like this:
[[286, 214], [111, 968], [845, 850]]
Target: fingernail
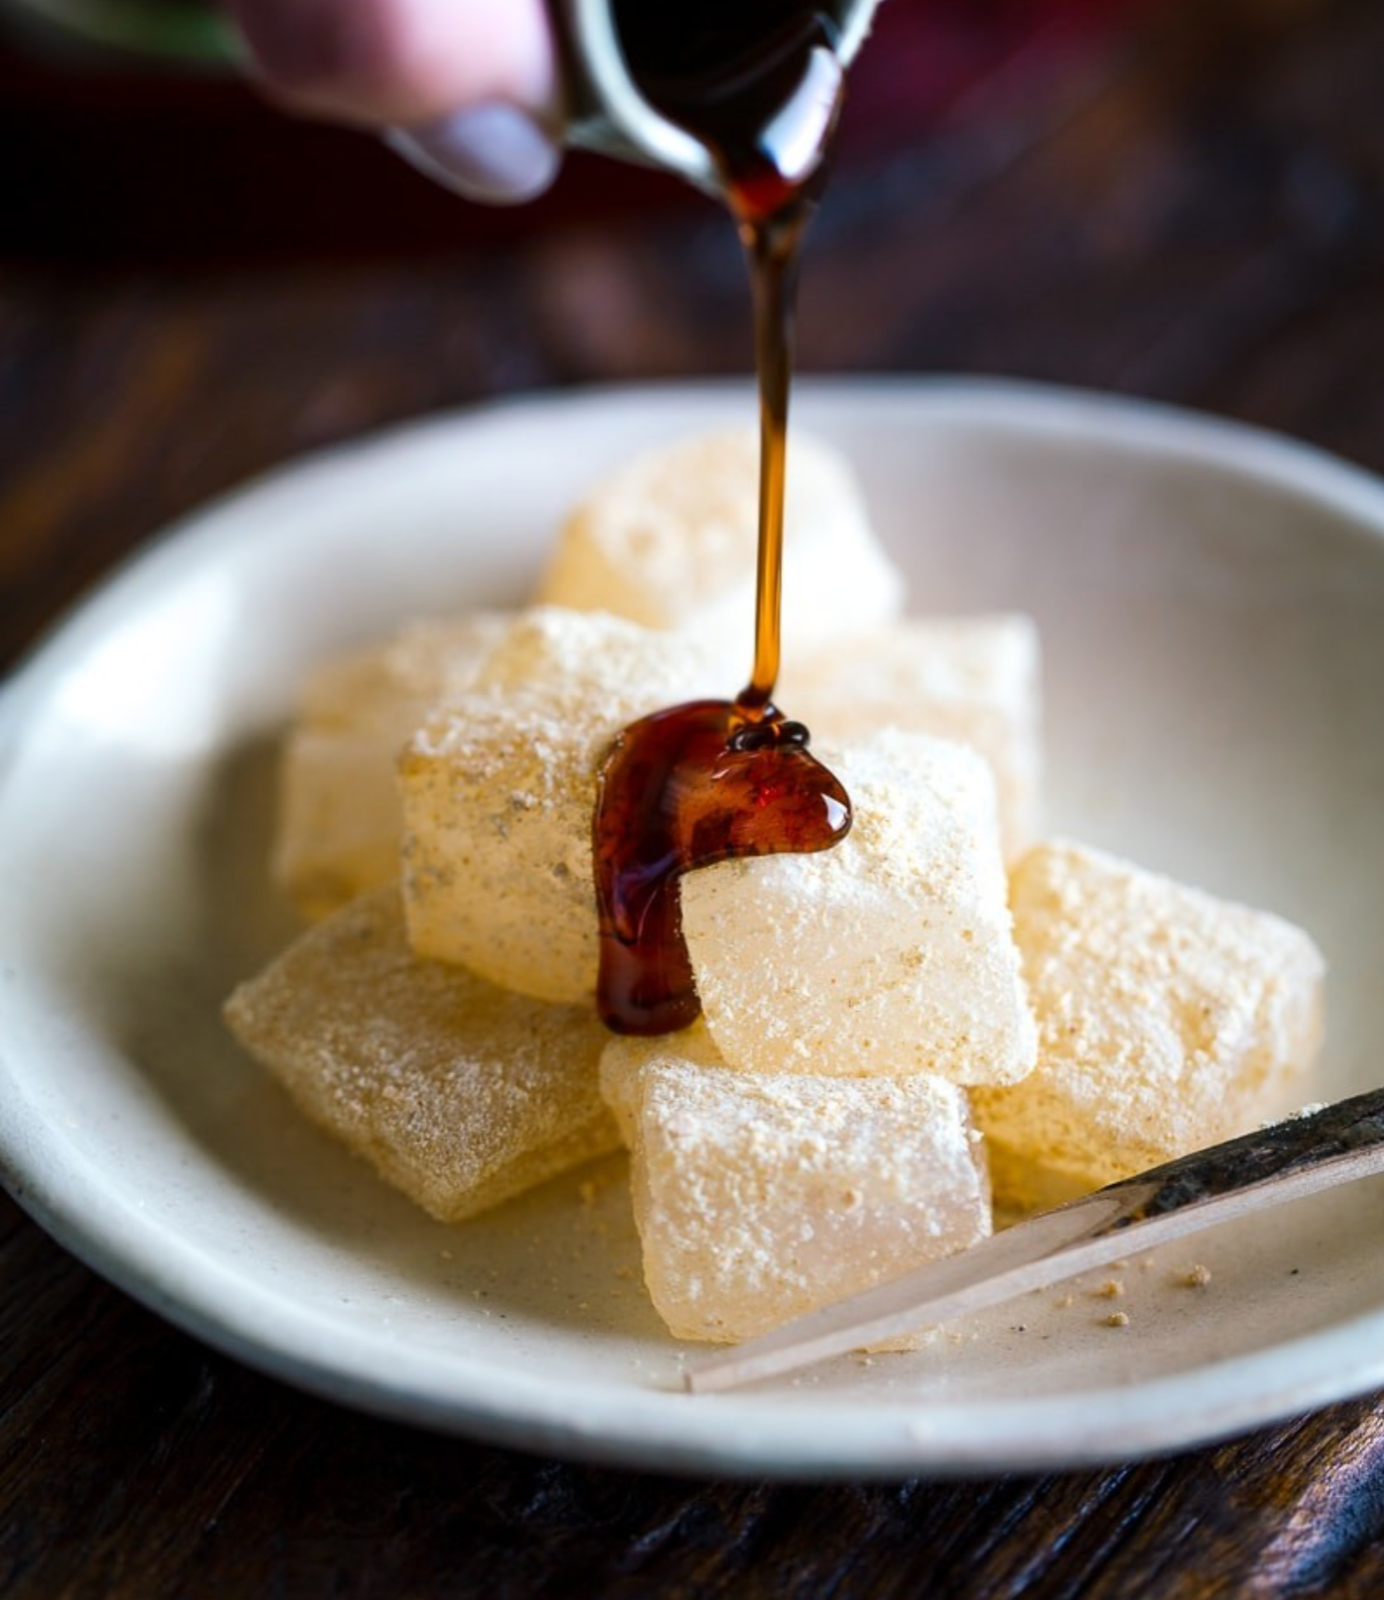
[[493, 152]]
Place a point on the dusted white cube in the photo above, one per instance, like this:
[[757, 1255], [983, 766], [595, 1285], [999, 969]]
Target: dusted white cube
[[670, 540], [971, 679], [892, 953], [458, 1093], [1167, 1020], [499, 787], [339, 819], [759, 1197]]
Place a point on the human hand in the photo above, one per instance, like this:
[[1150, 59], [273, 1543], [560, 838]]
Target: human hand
[[467, 89]]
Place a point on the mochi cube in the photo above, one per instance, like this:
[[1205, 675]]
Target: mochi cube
[[670, 540], [972, 679], [1167, 1021], [339, 820], [499, 786], [892, 953], [458, 1093], [761, 1196]]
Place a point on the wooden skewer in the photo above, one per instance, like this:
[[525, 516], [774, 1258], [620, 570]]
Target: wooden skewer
[[1315, 1150]]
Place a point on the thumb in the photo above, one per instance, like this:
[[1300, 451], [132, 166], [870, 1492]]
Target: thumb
[[401, 61]]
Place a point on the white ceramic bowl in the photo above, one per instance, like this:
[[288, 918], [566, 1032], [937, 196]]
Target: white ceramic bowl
[[1212, 607]]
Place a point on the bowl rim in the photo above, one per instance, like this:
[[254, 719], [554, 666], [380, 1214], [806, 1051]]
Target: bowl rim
[[203, 1297]]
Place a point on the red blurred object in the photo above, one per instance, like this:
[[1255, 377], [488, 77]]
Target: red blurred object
[[118, 164]]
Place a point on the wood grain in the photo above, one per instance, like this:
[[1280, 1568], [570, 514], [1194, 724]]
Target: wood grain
[[1193, 213]]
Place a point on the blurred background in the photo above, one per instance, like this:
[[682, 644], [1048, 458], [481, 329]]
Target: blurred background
[[1181, 199]]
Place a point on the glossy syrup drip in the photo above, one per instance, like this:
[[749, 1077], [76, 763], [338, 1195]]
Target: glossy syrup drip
[[684, 788], [715, 779]]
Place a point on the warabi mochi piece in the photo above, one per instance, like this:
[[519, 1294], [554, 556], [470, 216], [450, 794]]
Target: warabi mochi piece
[[458, 1093], [570, 653], [1022, 1185], [670, 541], [499, 787], [427, 657], [1167, 1020], [761, 1196], [972, 679], [339, 818], [890, 954]]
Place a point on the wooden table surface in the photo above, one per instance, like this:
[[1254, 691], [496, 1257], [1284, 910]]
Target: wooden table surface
[[1191, 208]]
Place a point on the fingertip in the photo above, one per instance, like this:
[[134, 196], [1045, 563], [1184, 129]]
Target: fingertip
[[494, 152]]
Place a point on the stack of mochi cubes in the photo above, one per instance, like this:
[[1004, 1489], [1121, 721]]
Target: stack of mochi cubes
[[940, 1013]]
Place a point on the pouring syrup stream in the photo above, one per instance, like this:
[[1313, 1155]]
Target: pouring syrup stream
[[715, 780]]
